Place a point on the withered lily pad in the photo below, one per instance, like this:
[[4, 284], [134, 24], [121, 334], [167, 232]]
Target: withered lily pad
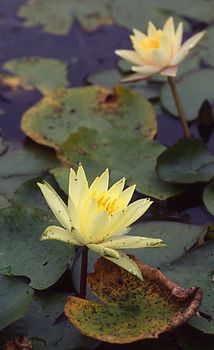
[[132, 309], [45, 74], [123, 152], [61, 113], [191, 98], [187, 161], [22, 252], [57, 16], [196, 268]]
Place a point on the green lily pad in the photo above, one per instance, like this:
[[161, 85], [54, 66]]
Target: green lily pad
[[22, 252], [23, 162], [187, 161], [111, 77], [44, 74], [208, 197], [57, 115], [196, 268], [124, 153], [131, 309], [62, 177], [3, 146], [40, 325], [16, 297], [193, 89], [57, 17], [207, 50], [4, 203]]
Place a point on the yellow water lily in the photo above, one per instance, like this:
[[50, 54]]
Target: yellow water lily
[[98, 217], [160, 51]]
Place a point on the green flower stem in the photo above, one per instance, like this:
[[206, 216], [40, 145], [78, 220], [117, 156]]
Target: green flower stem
[[179, 107], [84, 268]]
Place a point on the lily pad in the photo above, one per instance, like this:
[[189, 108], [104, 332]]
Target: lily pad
[[44, 74], [16, 297], [196, 268], [22, 252], [124, 153], [4, 203], [21, 163], [111, 77], [57, 17], [208, 197], [193, 89], [131, 309], [61, 113], [42, 327], [187, 161]]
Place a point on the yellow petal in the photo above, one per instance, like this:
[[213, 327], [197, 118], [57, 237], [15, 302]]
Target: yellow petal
[[169, 71], [59, 234], [146, 70], [178, 37], [131, 56], [127, 264], [100, 184], [78, 186], [134, 77], [138, 34], [126, 196], [104, 251], [56, 204], [132, 242], [95, 226], [186, 47], [151, 31], [115, 190], [169, 28]]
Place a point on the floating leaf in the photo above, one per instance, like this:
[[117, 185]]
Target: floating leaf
[[111, 77], [124, 153], [16, 297], [57, 115], [42, 327], [57, 18], [187, 161], [132, 309], [208, 197], [193, 89], [22, 252], [196, 268], [21, 163], [44, 74], [4, 203]]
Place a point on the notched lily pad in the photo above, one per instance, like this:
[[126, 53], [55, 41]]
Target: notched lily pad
[[208, 197], [23, 254], [57, 115], [45, 74], [187, 161], [132, 309]]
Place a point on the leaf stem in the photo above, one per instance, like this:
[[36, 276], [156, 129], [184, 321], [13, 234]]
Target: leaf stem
[[179, 107], [84, 268]]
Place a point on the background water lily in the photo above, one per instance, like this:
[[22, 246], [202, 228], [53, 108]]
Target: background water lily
[[160, 51], [98, 217]]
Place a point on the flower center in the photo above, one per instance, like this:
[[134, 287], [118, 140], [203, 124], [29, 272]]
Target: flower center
[[107, 203], [152, 42]]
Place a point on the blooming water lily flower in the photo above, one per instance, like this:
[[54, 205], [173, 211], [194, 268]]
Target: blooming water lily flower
[[160, 51], [98, 217]]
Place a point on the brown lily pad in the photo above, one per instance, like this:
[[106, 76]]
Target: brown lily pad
[[131, 309]]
